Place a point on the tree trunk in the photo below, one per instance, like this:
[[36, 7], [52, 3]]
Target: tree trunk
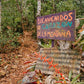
[[38, 7], [80, 4], [0, 15], [38, 13]]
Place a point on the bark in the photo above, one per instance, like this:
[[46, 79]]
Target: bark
[[80, 4], [38, 7], [19, 9]]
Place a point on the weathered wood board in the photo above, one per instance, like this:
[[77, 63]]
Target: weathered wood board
[[68, 60]]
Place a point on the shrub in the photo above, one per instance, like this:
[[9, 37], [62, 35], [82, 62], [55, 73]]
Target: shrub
[[8, 41]]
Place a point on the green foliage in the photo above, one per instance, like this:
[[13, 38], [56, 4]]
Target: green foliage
[[8, 41], [66, 6], [31, 10], [80, 44], [10, 26], [70, 75], [74, 80], [10, 14], [56, 6], [46, 45], [14, 17]]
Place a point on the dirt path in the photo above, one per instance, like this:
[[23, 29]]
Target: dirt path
[[12, 64]]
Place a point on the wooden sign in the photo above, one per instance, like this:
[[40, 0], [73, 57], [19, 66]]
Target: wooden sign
[[67, 61], [60, 26]]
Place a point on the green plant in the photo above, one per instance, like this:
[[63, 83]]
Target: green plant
[[11, 16], [10, 26], [74, 80], [8, 41], [79, 43], [45, 45]]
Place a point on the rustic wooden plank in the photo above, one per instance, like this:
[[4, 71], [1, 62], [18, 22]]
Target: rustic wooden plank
[[68, 60]]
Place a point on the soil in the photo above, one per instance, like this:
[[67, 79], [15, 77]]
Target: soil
[[12, 64]]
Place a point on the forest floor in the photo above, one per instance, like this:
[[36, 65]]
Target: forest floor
[[12, 64]]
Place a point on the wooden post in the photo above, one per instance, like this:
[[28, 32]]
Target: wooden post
[[53, 40], [52, 43], [0, 15]]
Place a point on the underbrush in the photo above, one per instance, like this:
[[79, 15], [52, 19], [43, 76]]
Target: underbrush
[[8, 41]]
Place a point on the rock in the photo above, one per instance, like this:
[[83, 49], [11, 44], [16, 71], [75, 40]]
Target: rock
[[17, 61], [28, 78], [2, 73], [20, 56], [6, 67], [50, 80], [14, 66]]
